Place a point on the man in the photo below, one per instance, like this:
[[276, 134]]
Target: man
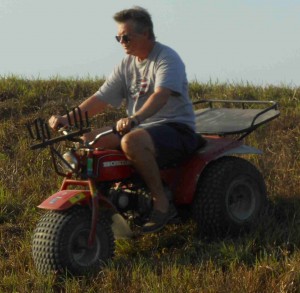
[[152, 81]]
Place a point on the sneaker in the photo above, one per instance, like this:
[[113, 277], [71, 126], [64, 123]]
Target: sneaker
[[159, 219]]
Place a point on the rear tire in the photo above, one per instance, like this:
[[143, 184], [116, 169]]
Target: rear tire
[[60, 243], [230, 196]]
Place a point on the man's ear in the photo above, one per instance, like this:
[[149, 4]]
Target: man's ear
[[146, 34]]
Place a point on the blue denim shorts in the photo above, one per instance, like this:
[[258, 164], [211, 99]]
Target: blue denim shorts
[[173, 142]]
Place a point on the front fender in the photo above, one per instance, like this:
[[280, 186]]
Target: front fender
[[64, 199]]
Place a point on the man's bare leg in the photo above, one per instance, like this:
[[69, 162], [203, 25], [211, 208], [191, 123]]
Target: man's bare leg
[[139, 149]]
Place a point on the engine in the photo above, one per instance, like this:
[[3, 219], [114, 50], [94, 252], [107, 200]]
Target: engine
[[134, 203]]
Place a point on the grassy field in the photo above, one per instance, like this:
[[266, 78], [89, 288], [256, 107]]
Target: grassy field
[[175, 260]]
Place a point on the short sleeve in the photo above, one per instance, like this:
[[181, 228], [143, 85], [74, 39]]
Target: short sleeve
[[170, 72], [112, 91]]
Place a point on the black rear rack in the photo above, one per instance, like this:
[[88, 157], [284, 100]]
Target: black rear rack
[[231, 117]]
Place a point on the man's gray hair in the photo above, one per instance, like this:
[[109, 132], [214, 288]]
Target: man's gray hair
[[140, 17]]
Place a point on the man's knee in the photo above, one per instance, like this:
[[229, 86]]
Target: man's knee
[[136, 140]]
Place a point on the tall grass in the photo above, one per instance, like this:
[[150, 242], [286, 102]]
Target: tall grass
[[265, 260]]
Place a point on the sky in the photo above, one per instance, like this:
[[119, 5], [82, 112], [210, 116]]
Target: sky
[[225, 41]]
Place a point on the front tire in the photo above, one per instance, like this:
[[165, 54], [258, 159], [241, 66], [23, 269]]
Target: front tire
[[60, 243], [230, 196]]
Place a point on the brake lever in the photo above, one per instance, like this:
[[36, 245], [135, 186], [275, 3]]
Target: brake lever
[[63, 129]]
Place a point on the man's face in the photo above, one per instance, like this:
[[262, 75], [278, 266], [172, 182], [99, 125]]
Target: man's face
[[132, 42]]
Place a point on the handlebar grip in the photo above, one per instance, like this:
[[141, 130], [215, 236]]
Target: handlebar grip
[[133, 124], [114, 130], [59, 127]]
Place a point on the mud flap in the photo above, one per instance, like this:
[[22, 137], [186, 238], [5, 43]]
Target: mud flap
[[118, 224]]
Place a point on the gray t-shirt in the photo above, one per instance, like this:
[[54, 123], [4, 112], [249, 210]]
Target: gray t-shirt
[[135, 81]]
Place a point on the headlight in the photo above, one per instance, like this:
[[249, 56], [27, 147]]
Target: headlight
[[72, 161]]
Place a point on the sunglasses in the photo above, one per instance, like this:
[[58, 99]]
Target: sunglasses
[[124, 38]]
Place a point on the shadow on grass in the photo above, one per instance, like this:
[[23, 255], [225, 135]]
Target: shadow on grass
[[276, 236], [275, 239]]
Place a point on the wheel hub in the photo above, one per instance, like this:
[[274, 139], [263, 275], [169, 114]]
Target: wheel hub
[[241, 199], [80, 250]]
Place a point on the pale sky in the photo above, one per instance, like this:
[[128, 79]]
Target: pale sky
[[255, 41]]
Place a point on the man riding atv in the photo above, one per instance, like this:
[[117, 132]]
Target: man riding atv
[[160, 127]]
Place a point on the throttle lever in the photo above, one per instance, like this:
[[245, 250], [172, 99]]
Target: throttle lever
[[104, 133]]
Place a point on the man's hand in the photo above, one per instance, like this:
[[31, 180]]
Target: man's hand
[[57, 121], [124, 125]]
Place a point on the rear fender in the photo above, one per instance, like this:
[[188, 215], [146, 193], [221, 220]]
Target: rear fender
[[183, 179], [242, 150]]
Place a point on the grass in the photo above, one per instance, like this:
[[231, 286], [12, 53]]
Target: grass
[[266, 259]]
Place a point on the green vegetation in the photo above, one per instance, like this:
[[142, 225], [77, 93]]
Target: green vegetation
[[264, 260]]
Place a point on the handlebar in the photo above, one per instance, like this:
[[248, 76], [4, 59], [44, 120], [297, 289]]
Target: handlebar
[[104, 133], [39, 130]]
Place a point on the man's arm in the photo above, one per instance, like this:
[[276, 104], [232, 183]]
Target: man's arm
[[91, 105], [153, 104]]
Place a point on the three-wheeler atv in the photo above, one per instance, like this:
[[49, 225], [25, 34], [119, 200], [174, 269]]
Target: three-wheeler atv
[[102, 198]]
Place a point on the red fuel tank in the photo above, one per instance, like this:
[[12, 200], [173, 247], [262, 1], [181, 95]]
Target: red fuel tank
[[111, 165]]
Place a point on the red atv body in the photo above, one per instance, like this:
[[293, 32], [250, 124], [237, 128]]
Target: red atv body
[[102, 197]]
